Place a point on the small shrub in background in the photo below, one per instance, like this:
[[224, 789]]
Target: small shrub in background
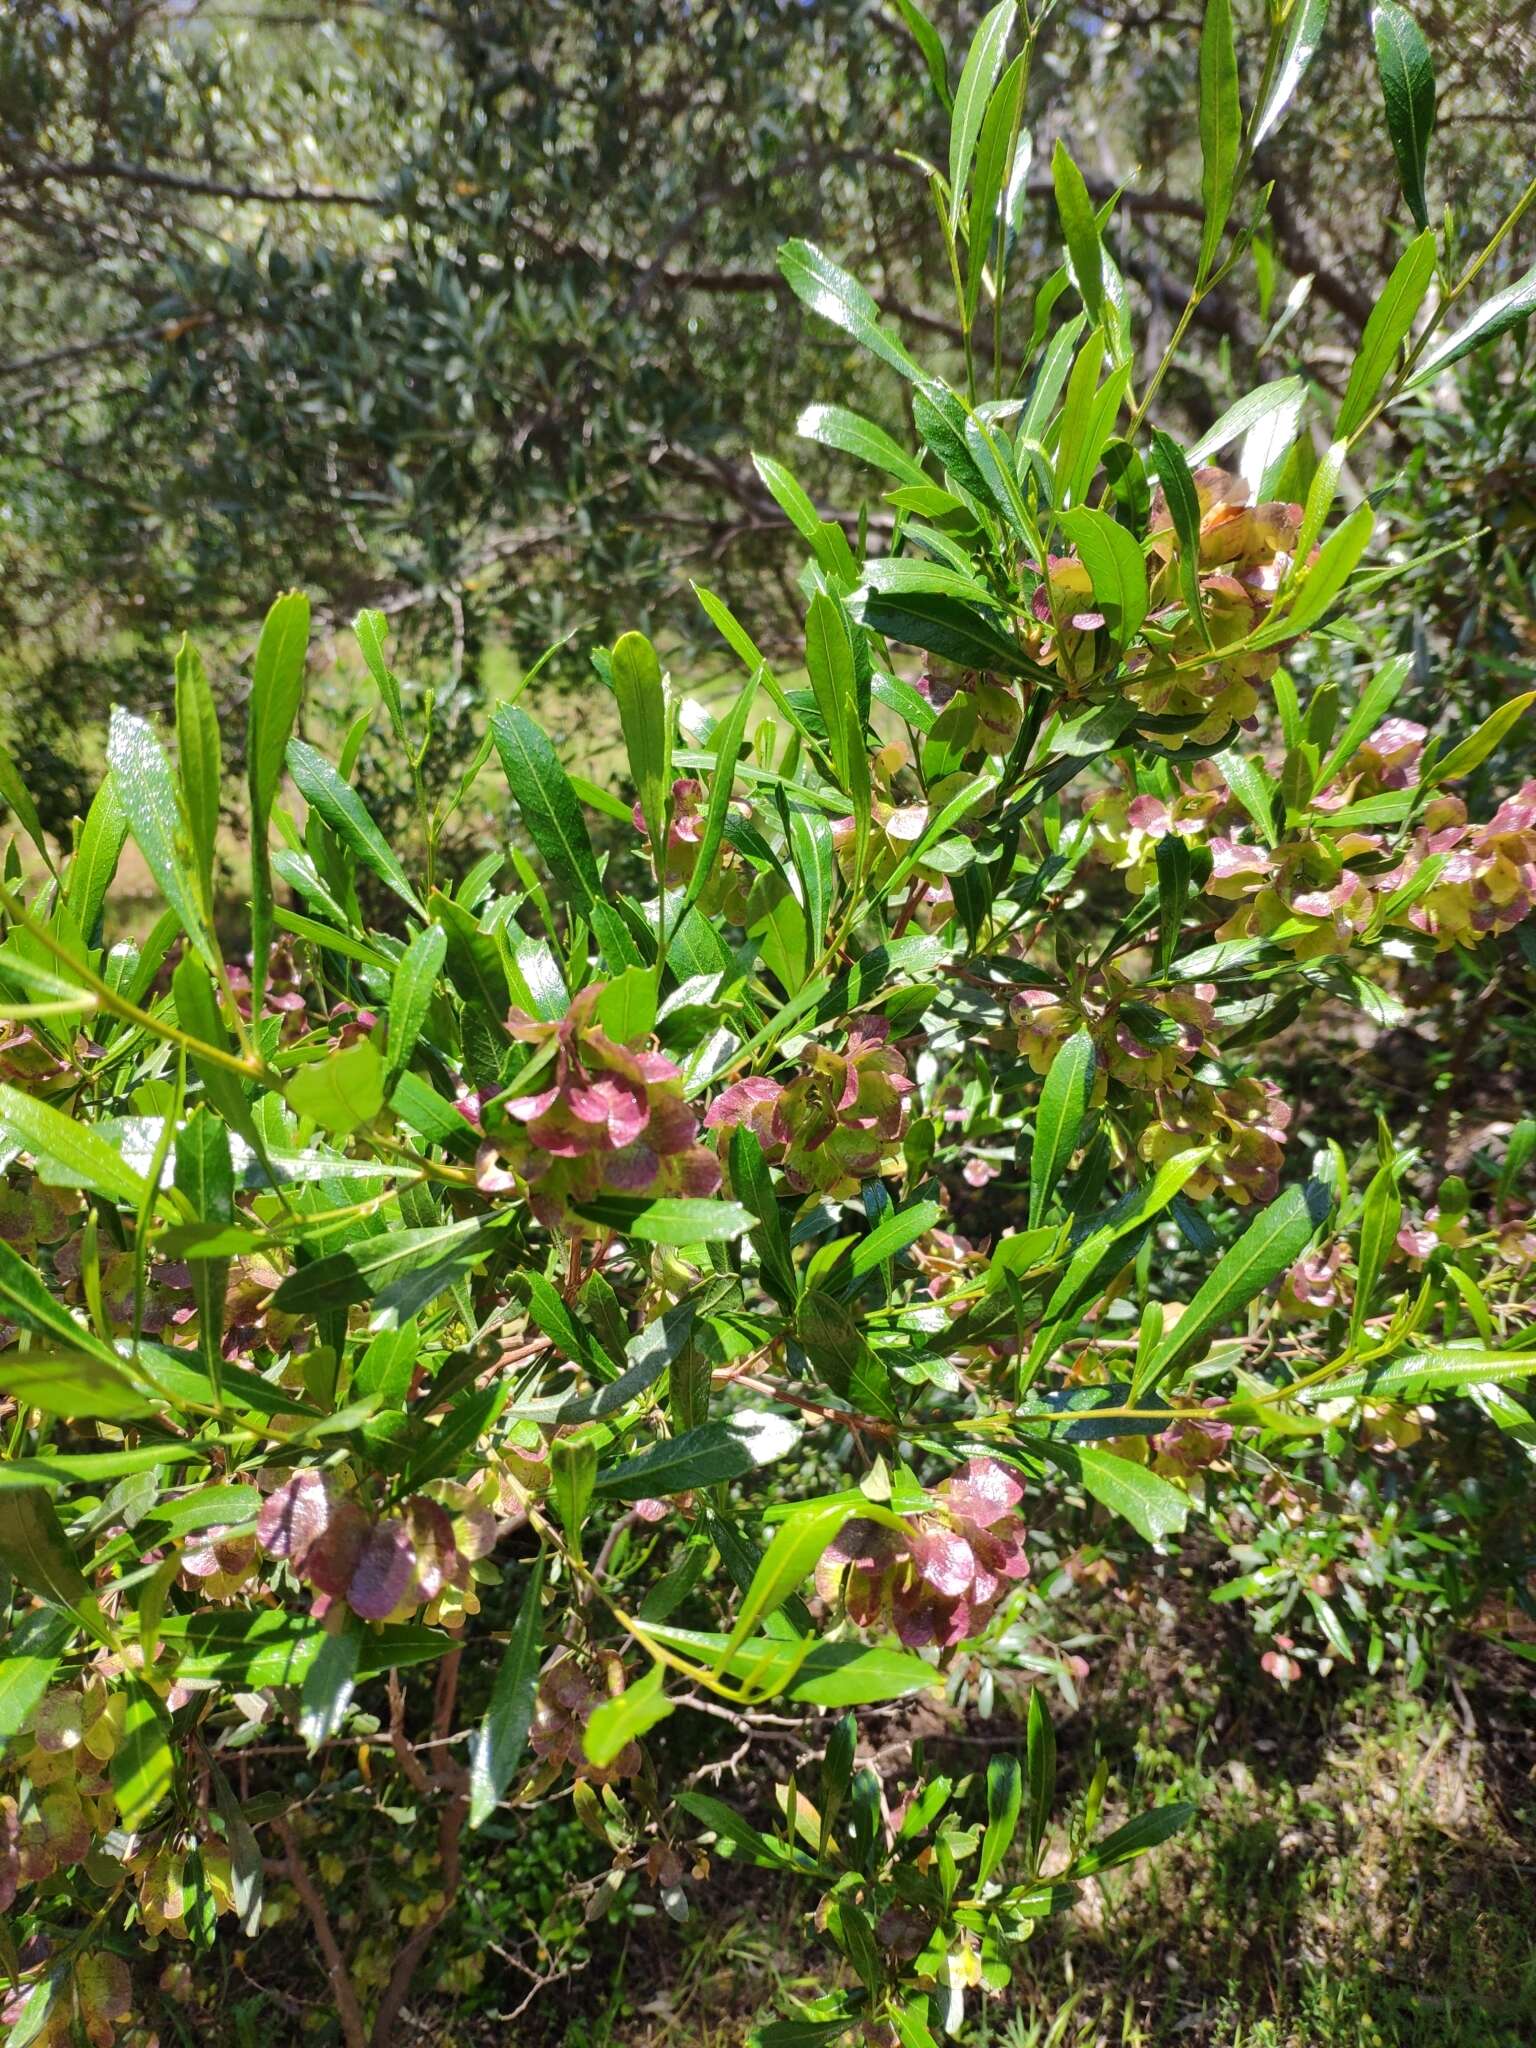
[[686, 1301]]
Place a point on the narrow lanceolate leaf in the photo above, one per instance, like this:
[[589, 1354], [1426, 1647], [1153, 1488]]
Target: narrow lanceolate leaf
[[1451, 1369], [143, 1768], [328, 1684], [500, 1740], [365, 1268], [834, 426], [729, 735], [18, 800], [35, 1550], [1506, 309], [1146, 1831], [199, 755], [1153, 1506], [827, 289], [1063, 1105], [277, 681], [829, 659], [1241, 418], [669, 1219], [787, 1562], [1477, 746], [32, 1652], [97, 852], [1379, 1221], [1303, 32], [548, 804], [642, 702], [410, 997], [1005, 1797], [1116, 568], [27, 1301], [977, 79], [931, 44], [994, 164], [706, 1456], [339, 804], [1040, 1759], [1183, 512], [372, 630], [147, 790], [1221, 127], [1079, 229], [1324, 580], [1275, 1238], [68, 1154], [1390, 323], [1408, 93]]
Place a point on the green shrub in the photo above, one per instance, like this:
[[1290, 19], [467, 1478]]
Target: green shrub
[[467, 1275]]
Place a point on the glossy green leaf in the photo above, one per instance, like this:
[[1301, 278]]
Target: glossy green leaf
[[1303, 32], [1116, 568], [1507, 309], [624, 1717], [199, 754], [74, 1383], [329, 1683], [1184, 513], [143, 1767], [1390, 323], [410, 997], [994, 164], [1275, 1238], [834, 426], [1379, 1222], [98, 850], [1146, 1831], [1442, 1370], [1221, 128], [643, 716], [18, 799], [548, 805], [1324, 580], [35, 1550], [1005, 1797], [148, 793], [1407, 74], [372, 629], [668, 1219], [1154, 1507], [1040, 1762], [931, 44], [340, 1091], [828, 289], [822, 1675], [977, 78], [1079, 229], [500, 1741], [339, 804], [27, 1664], [1059, 1120], [788, 1561], [69, 1154], [373, 1264], [1477, 746], [277, 682], [709, 1455], [1279, 397]]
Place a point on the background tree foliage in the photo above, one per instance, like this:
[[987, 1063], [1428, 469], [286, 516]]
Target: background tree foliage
[[470, 311]]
